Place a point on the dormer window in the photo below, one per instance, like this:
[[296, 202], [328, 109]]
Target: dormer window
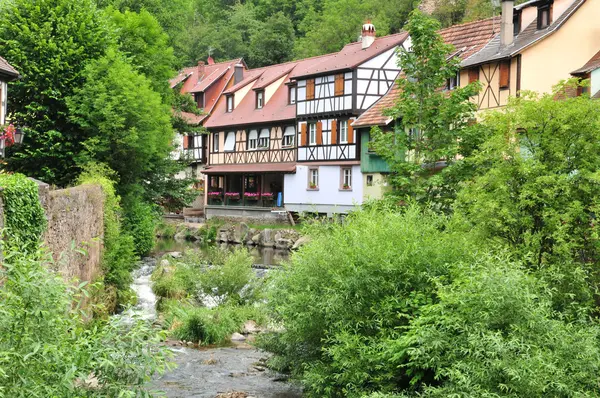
[[453, 82], [229, 100], [292, 95], [544, 16], [260, 99], [200, 100], [517, 23]]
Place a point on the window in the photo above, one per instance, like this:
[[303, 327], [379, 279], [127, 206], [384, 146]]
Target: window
[[517, 23], [504, 74], [313, 178], [346, 177], [190, 142], [215, 142], [310, 89], [229, 142], [473, 75], [263, 138], [260, 99], [339, 84], [292, 95], [288, 136], [312, 134], [453, 82], [230, 103], [200, 100], [343, 126], [543, 17], [369, 180], [253, 139]]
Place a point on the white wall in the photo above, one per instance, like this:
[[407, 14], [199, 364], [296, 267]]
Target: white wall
[[595, 78], [298, 198]]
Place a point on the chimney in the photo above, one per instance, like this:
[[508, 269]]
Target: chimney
[[200, 68], [210, 60], [368, 35], [238, 73], [507, 29]]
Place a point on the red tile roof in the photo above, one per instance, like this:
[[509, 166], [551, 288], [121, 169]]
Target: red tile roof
[[7, 69], [467, 39], [592, 64]]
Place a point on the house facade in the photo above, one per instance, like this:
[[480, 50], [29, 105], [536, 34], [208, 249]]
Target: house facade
[[331, 94], [7, 74]]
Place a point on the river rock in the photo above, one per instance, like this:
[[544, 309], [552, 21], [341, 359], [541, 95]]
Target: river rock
[[238, 337], [223, 237], [174, 254], [283, 244], [277, 236], [256, 238], [250, 327], [266, 238], [300, 242], [180, 236], [240, 232]]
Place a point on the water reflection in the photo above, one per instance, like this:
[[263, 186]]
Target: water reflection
[[261, 255]]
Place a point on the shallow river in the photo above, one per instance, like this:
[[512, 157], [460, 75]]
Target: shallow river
[[206, 373]]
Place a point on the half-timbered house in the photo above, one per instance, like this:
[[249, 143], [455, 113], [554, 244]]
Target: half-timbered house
[[330, 94]]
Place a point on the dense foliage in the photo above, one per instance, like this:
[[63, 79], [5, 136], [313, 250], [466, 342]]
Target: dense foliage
[[432, 130], [402, 303], [47, 348], [24, 217], [264, 32]]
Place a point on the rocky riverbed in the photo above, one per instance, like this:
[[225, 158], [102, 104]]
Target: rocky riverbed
[[237, 371]]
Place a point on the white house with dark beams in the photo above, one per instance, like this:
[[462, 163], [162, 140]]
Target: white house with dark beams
[[330, 94]]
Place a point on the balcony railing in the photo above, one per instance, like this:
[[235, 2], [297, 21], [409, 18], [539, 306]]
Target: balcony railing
[[238, 200]]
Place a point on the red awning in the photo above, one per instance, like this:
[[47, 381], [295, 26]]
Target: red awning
[[251, 168]]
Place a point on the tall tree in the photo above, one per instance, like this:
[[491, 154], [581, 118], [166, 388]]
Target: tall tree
[[433, 124], [49, 42], [273, 42]]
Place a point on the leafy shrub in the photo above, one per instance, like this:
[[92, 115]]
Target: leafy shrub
[[165, 229], [24, 215], [354, 286], [208, 326], [233, 280], [48, 350], [177, 280], [140, 222]]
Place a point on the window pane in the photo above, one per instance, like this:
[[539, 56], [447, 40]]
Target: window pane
[[230, 142]]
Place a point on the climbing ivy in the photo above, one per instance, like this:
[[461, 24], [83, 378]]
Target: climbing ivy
[[24, 217]]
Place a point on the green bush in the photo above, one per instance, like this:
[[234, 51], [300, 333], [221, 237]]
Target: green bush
[[140, 222], [47, 348], [208, 325], [177, 280], [24, 216], [165, 229], [232, 281]]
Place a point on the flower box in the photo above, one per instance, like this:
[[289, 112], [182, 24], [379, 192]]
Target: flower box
[[252, 195]]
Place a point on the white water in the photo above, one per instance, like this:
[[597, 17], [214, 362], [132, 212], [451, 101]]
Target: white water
[[142, 286]]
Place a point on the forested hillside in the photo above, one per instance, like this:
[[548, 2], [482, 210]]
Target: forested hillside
[[272, 31]]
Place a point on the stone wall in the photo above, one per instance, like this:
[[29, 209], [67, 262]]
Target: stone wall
[[75, 229]]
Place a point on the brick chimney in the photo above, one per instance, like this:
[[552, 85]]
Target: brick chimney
[[368, 35], [201, 68], [507, 29], [210, 60]]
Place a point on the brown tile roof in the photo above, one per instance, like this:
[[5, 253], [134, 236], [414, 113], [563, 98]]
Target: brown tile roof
[[592, 64], [7, 69], [494, 50]]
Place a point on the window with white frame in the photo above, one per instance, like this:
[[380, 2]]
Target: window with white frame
[[292, 95], [260, 99], [263, 138], [253, 139], [343, 131], [346, 174], [229, 142], [288, 136], [453, 82], [312, 133], [230, 103], [313, 178], [215, 142]]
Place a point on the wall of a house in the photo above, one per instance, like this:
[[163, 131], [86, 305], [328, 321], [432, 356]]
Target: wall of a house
[[595, 81], [377, 189], [567, 49], [329, 198], [491, 95]]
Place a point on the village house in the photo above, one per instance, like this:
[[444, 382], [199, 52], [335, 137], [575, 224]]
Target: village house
[[531, 46], [206, 82], [7, 74]]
